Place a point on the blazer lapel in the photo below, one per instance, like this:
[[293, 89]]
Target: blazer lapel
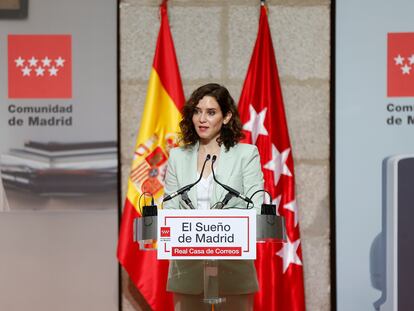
[[221, 171], [190, 170]]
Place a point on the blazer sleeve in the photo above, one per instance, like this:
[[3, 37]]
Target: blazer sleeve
[[253, 178], [171, 181]]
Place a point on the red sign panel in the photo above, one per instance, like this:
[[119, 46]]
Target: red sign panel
[[400, 65], [223, 251], [40, 66]]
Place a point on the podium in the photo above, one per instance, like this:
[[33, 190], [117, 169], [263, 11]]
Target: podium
[[212, 237]]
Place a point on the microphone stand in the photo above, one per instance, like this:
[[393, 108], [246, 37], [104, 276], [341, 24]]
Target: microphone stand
[[184, 195], [211, 267], [231, 192], [186, 199], [184, 190]]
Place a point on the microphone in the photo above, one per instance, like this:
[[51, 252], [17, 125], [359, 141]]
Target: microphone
[[150, 210], [228, 188], [188, 187]]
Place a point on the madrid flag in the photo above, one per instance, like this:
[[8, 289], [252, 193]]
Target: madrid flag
[[279, 265], [157, 135]]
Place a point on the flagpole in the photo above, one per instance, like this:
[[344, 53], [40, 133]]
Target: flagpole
[[264, 4]]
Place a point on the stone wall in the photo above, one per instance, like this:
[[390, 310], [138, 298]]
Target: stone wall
[[214, 40]]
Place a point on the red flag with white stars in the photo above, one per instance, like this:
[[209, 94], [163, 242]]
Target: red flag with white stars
[[279, 266], [400, 64], [40, 66]]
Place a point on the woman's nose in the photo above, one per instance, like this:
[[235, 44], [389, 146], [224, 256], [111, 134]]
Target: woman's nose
[[202, 117]]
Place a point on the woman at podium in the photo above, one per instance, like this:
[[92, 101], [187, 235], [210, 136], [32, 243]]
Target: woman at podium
[[211, 129]]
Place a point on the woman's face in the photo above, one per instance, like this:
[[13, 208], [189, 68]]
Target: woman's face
[[208, 119]]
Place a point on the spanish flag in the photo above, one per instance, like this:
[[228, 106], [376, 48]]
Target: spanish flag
[[157, 135]]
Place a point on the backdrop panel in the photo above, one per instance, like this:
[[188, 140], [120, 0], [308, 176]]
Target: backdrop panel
[[374, 126], [58, 156]]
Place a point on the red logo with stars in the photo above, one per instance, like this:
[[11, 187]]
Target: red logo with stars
[[400, 75], [40, 66]]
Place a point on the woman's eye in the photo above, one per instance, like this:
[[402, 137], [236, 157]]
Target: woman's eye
[[211, 113]]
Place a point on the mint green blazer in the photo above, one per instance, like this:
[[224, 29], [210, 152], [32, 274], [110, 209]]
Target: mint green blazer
[[240, 168]]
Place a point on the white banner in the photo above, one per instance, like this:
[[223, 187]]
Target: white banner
[[207, 234]]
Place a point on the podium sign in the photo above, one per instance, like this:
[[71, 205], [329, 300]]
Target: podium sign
[[207, 234]]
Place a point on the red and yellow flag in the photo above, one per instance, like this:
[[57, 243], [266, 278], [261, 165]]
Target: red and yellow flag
[[157, 135], [279, 266]]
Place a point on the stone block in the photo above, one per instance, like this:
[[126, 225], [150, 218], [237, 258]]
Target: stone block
[[132, 106], [235, 90], [125, 170], [242, 32], [307, 113], [139, 26], [190, 88], [196, 34], [299, 2], [312, 196], [301, 38], [300, 35], [316, 267]]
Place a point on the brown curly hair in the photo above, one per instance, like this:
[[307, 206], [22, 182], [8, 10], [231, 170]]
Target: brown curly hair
[[231, 133]]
